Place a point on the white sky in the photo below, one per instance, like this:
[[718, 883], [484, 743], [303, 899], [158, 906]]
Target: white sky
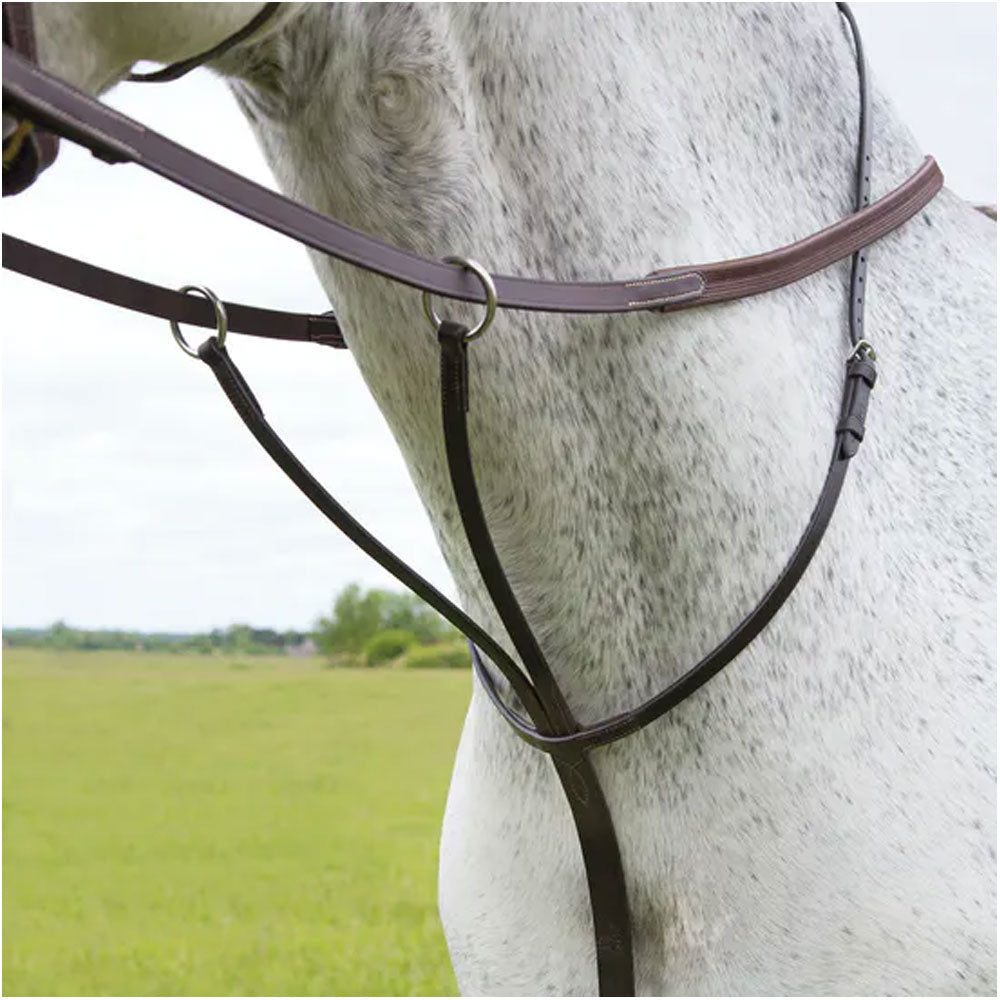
[[132, 496]]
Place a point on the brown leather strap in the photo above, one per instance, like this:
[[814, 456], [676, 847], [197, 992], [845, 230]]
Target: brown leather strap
[[595, 830], [19, 29], [42, 98], [745, 276], [238, 392], [154, 300]]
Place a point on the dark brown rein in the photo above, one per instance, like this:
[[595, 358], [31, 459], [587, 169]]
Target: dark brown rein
[[38, 99]]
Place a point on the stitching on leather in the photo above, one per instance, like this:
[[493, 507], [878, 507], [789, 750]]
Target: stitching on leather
[[664, 300], [660, 281], [660, 300]]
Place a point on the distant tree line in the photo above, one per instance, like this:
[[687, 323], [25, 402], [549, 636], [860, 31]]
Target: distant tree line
[[240, 639], [364, 628]]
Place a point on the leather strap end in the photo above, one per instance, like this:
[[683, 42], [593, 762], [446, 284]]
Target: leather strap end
[[325, 329]]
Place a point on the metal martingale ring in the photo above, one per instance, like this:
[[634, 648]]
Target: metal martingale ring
[[491, 298], [221, 321]]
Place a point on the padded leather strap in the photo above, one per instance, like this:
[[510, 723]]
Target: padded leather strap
[[37, 96], [746, 276]]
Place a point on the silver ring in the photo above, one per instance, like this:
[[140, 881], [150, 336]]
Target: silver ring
[[491, 298], [862, 347], [221, 321]]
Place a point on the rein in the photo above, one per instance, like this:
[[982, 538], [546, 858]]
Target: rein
[[40, 101]]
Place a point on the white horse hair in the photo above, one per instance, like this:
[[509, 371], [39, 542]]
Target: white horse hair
[[819, 819]]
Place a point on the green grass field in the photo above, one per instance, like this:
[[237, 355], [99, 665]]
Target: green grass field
[[195, 825]]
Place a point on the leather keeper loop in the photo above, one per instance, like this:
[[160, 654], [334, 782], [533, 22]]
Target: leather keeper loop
[[454, 361], [860, 380]]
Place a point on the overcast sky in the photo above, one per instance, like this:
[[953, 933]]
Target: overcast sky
[[132, 497]]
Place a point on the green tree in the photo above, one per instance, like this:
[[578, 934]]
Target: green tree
[[62, 636], [387, 645], [359, 614], [409, 612], [239, 639]]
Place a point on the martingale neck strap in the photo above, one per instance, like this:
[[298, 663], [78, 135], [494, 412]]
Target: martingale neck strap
[[552, 728]]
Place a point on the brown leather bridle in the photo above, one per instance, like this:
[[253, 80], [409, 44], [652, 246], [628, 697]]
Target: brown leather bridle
[[32, 96]]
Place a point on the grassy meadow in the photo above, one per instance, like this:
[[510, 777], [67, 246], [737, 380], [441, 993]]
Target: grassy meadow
[[185, 825]]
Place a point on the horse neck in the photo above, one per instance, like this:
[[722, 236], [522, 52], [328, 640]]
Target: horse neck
[[627, 464]]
